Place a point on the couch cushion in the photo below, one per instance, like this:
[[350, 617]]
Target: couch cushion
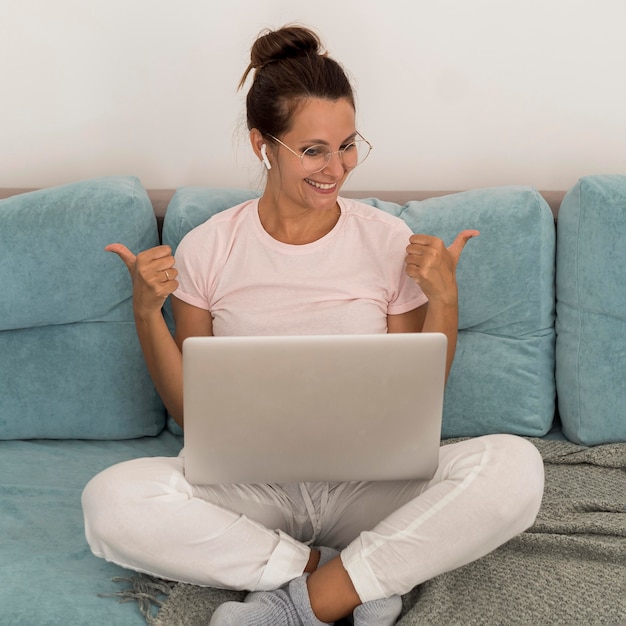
[[591, 310], [48, 573], [71, 364], [502, 379]]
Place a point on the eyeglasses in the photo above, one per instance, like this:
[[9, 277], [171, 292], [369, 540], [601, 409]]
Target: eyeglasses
[[315, 158]]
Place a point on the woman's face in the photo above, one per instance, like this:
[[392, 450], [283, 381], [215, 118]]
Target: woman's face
[[329, 123]]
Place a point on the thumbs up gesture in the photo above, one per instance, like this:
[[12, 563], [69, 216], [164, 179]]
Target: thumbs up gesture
[[433, 266], [153, 275]]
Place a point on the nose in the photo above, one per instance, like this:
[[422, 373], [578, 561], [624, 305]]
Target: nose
[[335, 166]]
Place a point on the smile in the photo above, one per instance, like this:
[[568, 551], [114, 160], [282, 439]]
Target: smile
[[322, 186]]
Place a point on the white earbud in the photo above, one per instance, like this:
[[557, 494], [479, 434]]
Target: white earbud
[[264, 158]]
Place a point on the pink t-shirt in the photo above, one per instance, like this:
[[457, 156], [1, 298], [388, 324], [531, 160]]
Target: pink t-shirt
[[347, 282]]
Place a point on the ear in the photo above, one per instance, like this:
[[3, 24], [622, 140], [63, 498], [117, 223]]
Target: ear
[[257, 141]]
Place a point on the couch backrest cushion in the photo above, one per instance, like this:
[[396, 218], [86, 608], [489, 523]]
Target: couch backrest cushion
[[591, 311], [71, 365], [502, 379]]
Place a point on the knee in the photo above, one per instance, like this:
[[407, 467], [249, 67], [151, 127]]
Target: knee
[[520, 475], [113, 500], [103, 500]]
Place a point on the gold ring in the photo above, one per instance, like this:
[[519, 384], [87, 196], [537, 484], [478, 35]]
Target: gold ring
[[167, 276]]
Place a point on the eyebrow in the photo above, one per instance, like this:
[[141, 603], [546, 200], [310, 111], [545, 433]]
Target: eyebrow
[[323, 142]]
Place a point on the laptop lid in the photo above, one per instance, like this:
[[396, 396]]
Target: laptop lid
[[313, 408]]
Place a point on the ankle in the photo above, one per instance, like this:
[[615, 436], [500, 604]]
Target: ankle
[[331, 592], [313, 562]]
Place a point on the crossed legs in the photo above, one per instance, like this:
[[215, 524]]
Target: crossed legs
[[144, 516]]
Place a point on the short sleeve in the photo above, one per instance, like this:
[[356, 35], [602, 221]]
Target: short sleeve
[[193, 267], [408, 295]]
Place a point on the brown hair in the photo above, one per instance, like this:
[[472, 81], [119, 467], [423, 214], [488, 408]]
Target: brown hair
[[290, 66]]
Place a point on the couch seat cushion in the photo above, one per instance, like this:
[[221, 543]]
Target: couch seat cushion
[[48, 573]]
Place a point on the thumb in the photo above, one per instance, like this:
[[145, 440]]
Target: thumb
[[458, 244], [124, 253]]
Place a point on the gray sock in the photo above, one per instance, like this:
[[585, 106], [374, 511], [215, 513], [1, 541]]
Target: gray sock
[[288, 606], [383, 612], [326, 554], [299, 594]]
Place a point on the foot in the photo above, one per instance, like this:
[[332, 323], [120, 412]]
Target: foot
[[383, 612], [288, 606]]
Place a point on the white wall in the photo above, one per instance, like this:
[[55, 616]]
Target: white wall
[[452, 93]]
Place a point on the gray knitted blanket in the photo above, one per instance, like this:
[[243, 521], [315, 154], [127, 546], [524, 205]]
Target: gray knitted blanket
[[569, 568]]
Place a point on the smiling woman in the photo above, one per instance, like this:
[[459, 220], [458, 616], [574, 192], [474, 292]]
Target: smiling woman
[[301, 260]]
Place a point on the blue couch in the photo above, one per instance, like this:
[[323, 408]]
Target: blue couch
[[541, 352]]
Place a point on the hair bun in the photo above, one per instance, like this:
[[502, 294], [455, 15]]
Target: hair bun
[[289, 66], [287, 42]]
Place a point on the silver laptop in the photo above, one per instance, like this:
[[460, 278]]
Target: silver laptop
[[313, 408]]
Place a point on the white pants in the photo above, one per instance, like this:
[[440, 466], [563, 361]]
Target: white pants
[[144, 515]]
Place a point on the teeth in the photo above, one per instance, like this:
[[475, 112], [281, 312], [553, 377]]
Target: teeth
[[322, 186]]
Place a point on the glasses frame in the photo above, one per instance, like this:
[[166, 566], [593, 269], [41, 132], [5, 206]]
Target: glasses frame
[[340, 152]]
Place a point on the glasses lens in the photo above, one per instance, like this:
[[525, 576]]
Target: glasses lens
[[355, 153], [315, 158]]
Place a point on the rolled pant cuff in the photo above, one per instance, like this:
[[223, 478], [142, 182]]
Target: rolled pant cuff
[[361, 574], [287, 562]]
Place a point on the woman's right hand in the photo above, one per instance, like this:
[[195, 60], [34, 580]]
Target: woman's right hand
[[154, 279], [153, 275]]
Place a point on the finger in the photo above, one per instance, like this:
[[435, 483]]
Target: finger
[[422, 240], [123, 252], [458, 244], [415, 258], [420, 245], [158, 252], [156, 259], [169, 274]]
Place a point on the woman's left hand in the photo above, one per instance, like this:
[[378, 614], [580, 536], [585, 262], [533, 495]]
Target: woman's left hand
[[433, 266]]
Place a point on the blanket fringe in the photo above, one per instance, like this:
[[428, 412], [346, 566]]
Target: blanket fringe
[[147, 591]]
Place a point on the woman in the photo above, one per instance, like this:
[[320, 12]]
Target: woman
[[301, 260]]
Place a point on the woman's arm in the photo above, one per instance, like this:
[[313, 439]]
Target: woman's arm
[[429, 319], [163, 353], [433, 267], [154, 279]]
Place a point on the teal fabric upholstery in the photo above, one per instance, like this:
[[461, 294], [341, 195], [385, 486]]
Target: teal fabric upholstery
[[71, 364], [502, 379], [591, 311], [48, 573]]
